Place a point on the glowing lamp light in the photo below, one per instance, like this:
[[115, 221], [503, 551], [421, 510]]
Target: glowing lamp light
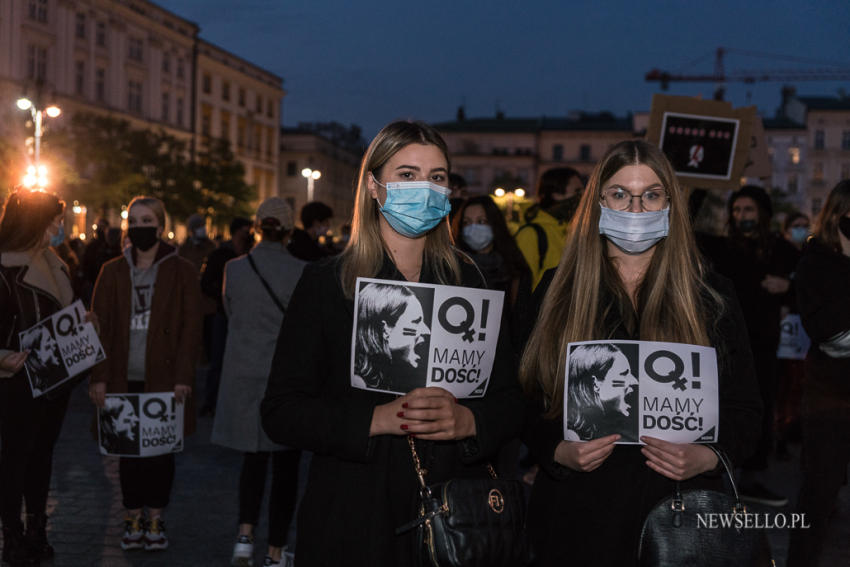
[[24, 103], [82, 236], [499, 192], [124, 214], [77, 209], [53, 111], [171, 236], [519, 192]]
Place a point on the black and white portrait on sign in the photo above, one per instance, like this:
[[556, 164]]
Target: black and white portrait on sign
[[392, 336], [119, 426], [602, 391], [44, 364]]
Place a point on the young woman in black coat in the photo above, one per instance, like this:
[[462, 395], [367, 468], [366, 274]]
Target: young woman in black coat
[[630, 270], [362, 484], [823, 297]]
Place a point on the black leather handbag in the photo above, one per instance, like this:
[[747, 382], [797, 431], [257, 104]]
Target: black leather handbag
[[703, 528], [469, 522]]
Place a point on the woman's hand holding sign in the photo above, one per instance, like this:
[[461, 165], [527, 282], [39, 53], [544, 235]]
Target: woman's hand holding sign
[[426, 413], [677, 461], [585, 456], [13, 362]]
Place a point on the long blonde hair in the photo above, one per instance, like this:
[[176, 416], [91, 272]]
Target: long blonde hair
[[364, 254], [668, 298]]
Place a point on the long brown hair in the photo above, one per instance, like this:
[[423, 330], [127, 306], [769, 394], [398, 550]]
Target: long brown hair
[[837, 205], [364, 254], [668, 297], [26, 215]]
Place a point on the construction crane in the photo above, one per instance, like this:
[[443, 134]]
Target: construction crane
[[829, 71]]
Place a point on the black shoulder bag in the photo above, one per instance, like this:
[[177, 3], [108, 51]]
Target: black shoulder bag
[[469, 522], [266, 285], [703, 528]]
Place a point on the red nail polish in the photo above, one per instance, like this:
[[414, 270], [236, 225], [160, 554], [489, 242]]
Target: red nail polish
[[404, 426], [400, 414], [404, 405]]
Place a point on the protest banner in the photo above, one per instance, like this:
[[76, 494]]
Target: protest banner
[[635, 388], [794, 343], [411, 335], [61, 346], [140, 425]]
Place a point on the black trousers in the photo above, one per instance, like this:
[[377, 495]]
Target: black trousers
[[29, 428], [252, 483], [145, 481]]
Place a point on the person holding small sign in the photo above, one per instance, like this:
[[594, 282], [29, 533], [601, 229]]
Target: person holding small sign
[[34, 284], [630, 271], [823, 297], [362, 483], [148, 304]]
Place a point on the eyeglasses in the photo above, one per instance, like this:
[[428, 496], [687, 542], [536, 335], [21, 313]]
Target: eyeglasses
[[620, 199]]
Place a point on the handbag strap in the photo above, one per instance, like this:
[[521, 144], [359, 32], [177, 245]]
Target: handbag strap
[[266, 284], [727, 466], [420, 472]]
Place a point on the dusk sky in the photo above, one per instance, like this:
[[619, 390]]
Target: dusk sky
[[373, 61]]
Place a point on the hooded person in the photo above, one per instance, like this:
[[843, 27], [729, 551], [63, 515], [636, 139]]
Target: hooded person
[[197, 245]]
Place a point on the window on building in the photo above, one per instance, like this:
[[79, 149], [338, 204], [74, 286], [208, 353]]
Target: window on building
[[134, 96], [100, 34], [100, 84], [584, 152], [819, 140], [79, 77], [794, 155], [80, 25], [557, 152], [36, 62], [206, 83], [180, 71], [225, 125], [240, 133], [272, 146], [135, 49], [178, 111], [166, 107], [291, 168], [792, 183], [270, 109], [225, 90], [259, 106], [845, 140], [817, 171], [241, 97], [37, 10], [166, 63], [206, 119], [845, 171], [258, 139]]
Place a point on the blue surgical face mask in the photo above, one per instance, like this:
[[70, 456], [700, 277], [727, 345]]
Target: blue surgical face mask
[[478, 236], [799, 234], [634, 233], [58, 238], [414, 207]]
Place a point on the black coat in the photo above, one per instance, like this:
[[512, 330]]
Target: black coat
[[594, 519], [362, 488], [823, 297]]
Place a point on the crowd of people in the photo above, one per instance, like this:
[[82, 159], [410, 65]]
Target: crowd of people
[[302, 356]]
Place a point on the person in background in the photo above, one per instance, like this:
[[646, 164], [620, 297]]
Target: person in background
[[760, 264], [458, 194], [148, 304], [257, 288], [34, 284], [197, 245], [541, 239], [823, 296], [97, 253], [316, 220], [212, 284]]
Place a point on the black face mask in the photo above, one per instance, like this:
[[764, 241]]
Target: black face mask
[[747, 225], [844, 226], [142, 237]]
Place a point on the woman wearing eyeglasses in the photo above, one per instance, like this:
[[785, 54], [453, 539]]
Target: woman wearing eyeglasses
[[630, 271]]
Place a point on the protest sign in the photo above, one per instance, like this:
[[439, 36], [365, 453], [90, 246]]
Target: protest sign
[[140, 425], [411, 335], [635, 388], [794, 343], [61, 347]]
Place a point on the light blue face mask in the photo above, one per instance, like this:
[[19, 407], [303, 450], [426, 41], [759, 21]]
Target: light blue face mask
[[414, 207], [58, 238], [634, 233], [799, 234]]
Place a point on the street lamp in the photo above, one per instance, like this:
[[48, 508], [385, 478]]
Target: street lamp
[[312, 175], [37, 173]]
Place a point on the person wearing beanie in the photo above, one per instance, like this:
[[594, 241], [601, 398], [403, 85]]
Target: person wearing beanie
[[197, 245], [257, 288]]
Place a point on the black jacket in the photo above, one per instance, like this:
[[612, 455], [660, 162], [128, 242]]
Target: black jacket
[[823, 297], [361, 489], [594, 519]]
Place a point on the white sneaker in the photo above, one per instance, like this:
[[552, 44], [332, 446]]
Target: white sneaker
[[243, 552], [269, 562], [134, 533], [155, 538]]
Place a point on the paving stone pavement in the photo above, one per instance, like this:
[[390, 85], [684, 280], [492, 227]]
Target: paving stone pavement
[[87, 517]]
